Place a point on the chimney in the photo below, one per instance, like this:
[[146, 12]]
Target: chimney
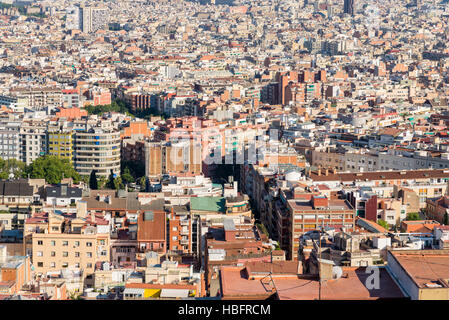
[[63, 190], [92, 216], [319, 171], [327, 172], [325, 267], [299, 268]]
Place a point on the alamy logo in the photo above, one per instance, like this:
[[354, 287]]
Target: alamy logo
[[233, 146], [373, 280]]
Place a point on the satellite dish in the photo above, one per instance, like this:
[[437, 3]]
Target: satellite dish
[[337, 272]]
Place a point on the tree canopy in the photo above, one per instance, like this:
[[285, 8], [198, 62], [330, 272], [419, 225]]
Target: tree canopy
[[11, 166], [132, 170], [52, 169], [115, 106], [93, 181], [383, 223], [413, 216], [127, 176], [118, 183]]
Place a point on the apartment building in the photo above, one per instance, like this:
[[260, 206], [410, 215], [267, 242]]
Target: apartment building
[[40, 99], [101, 97], [10, 139], [17, 193], [133, 150], [364, 201], [172, 158], [106, 276], [393, 211], [63, 242], [299, 213], [438, 208], [15, 272], [389, 160], [97, 149], [123, 248], [411, 268], [60, 144], [73, 18], [152, 231], [70, 98], [94, 19], [141, 101], [62, 195], [424, 183], [33, 140], [168, 272], [14, 219], [184, 232], [231, 243]]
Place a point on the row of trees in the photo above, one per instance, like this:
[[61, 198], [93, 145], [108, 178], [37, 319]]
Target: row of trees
[[50, 168], [121, 107], [131, 172], [115, 106], [53, 170]]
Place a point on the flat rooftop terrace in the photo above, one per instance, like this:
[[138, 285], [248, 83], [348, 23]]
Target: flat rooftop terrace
[[350, 287], [424, 266], [304, 205]]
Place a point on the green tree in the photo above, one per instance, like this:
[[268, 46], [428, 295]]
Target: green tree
[[262, 228], [142, 181], [413, 216], [52, 169], [115, 106], [110, 184], [136, 168], [11, 166], [118, 183], [85, 179], [127, 176], [93, 181], [383, 223], [101, 182]]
